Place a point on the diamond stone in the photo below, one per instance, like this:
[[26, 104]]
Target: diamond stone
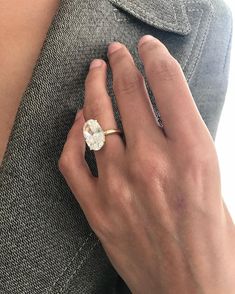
[[93, 134]]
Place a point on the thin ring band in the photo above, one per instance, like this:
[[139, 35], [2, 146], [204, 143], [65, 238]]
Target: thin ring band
[[112, 131]]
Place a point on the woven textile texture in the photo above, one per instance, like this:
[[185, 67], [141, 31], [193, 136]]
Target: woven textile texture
[[46, 244]]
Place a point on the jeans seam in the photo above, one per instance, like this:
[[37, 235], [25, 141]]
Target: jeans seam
[[78, 267], [228, 46], [211, 14], [71, 261], [199, 23]]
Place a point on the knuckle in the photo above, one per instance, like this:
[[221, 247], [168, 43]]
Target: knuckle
[[152, 45], [119, 55], [102, 228], [114, 180], [196, 153], [153, 172], [128, 83], [199, 165], [90, 79], [94, 109], [118, 190], [65, 161], [148, 171], [165, 68], [200, 161], [114, 188], [98, 222]]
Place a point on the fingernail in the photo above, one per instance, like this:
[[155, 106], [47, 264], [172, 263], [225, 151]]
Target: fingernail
[[78, 115], [114, 47], [96, 63], [145, 39]]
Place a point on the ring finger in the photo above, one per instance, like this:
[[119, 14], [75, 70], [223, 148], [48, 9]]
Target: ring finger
[[98, 106]]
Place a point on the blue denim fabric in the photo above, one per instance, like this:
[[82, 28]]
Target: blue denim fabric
[[46, 244]]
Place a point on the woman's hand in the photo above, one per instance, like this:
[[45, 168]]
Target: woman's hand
[[156, 205]]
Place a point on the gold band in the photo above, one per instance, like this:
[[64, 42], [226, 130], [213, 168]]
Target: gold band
[[112, 131]]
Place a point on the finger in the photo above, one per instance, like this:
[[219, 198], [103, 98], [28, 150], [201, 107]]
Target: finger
[[179, 113], [98, 106], [138, 118], [74, 167]]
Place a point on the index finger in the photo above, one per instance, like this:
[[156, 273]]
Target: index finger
[[179, 113]]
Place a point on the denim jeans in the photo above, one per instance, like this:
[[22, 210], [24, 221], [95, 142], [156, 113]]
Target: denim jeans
[[46, 243]]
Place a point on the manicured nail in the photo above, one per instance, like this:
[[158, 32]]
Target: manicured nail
[[114, 47], [145, 39], [78, 115], [96, 63]]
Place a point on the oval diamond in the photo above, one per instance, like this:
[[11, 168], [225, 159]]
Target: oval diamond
[[93, 134]]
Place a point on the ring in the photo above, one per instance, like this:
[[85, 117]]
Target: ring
[[94, 135]]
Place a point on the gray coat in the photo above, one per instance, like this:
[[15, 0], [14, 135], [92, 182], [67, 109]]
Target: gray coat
[[46, 244]]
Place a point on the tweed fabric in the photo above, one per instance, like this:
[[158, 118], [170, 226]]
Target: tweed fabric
[[46, 244]]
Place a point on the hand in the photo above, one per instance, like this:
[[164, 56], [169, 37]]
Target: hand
[[156, 205]]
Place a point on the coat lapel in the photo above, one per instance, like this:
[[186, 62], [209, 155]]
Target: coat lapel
[[167, 15]]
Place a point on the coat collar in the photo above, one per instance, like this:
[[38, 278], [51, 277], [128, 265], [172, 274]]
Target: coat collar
[[167, 15]]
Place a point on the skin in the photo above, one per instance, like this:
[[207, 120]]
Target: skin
[[23, 28], [156, 205]]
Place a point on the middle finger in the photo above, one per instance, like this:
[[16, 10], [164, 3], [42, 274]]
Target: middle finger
[[137, 114]]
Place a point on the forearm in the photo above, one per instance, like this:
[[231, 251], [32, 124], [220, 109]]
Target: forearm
[[23, 28]]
